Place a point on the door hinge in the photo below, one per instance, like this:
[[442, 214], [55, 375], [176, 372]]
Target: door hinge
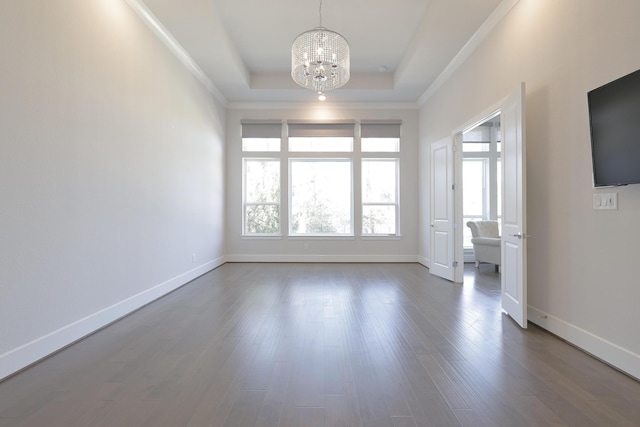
[[455, 263], [453, 187]]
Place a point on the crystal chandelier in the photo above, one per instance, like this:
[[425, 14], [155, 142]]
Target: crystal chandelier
[[320, 59]]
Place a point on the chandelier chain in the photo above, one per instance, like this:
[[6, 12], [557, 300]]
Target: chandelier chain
[[320, 13]]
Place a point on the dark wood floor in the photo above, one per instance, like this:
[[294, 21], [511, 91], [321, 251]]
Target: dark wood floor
[[322, 345]]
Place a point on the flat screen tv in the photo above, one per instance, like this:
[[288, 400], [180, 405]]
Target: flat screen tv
[[614, 116]]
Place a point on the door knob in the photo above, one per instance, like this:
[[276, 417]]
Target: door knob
[[520, 235]]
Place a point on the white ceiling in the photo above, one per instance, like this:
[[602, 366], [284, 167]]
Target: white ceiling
[[244, 46]]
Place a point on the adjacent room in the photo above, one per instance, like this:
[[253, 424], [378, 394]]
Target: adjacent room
[[254, 213]]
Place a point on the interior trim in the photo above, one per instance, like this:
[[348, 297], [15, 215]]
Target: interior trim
[[30, 353], [476, 40], [321, 258], [608, 352], [175, 47]]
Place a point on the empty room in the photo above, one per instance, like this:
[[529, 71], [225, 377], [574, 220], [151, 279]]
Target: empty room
[[319, 213]]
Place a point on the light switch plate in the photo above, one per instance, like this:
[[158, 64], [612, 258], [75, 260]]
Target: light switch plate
[[605, 201]]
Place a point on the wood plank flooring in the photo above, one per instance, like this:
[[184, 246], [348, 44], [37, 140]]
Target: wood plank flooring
[[366, 345]]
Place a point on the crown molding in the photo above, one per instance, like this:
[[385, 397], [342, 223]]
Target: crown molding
[[175, 47], [476, 40], [318, 105]]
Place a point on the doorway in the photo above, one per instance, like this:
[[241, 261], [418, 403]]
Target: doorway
[[446, 232], [481, 180]]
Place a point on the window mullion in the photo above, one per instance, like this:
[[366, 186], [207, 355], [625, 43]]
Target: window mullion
[[284, 182], [357, 183]]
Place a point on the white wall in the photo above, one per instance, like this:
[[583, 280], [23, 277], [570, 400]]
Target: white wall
[[111, 172], [582, 263], [403, 249]]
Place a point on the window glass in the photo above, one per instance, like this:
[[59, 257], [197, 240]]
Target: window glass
[[379, 196], [378, 219], [473, 179], [321, 144], [473, 187], [262, 180], [381, 145], [261, 144], [262, 219], [499, 189], [321, 197], [379, 181], [261, 196], [476, 147]]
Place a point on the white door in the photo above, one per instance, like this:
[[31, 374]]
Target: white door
[[514, 243], [441, 209]]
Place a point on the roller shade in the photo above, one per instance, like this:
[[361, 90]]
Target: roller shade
[[261, 130], [381, 129], [321, 130]]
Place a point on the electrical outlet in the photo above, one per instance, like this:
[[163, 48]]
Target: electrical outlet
[[193, 257]]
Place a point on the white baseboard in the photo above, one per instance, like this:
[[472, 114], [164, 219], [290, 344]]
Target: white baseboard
[[320, 258], [604, 350], [424, 261], [29, 353]]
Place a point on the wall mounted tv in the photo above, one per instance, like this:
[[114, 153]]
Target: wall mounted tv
[[614, 116]]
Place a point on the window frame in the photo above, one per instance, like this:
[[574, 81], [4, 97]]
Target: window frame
[[246, 204], [361, 130], [396, 204]]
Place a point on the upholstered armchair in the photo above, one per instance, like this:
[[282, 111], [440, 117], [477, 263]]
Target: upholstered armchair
[[486, 242]]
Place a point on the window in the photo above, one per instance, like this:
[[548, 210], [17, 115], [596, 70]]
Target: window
[[261, 179], [321, 197], [262, 196], [379, 188], [321, 179], [475, 194], [309, 182], [380, 146]]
